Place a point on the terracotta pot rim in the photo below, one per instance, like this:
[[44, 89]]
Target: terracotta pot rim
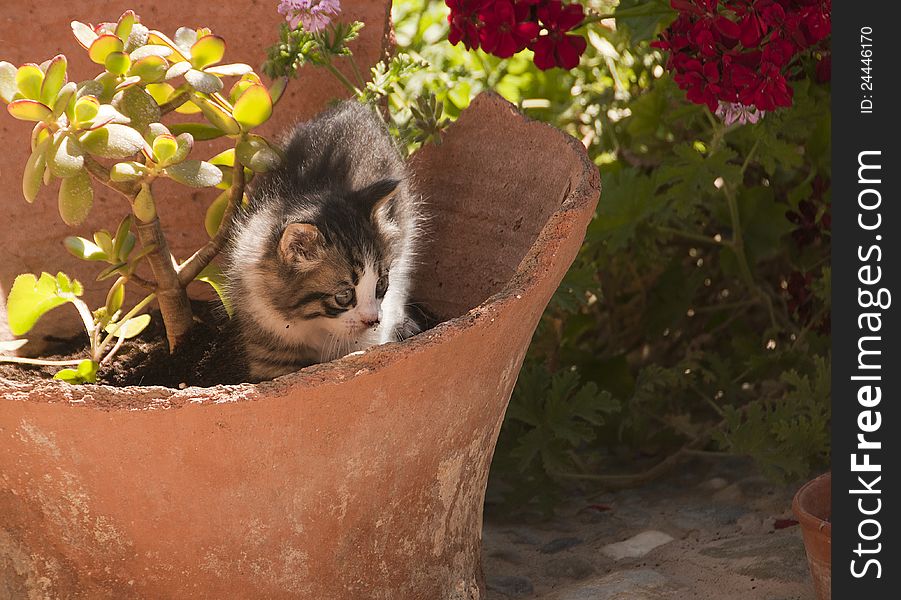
[[582, 191], [808, 520]]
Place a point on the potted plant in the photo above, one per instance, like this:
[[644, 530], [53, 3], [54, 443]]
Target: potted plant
[[363, 477], [812, 506]]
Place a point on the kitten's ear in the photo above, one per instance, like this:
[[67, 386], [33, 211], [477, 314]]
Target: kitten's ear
[[378, 196], [300, 242]]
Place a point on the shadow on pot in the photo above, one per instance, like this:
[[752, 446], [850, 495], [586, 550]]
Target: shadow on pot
[[813, 508]]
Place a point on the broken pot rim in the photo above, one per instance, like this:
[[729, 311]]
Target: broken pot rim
[[583, 191], [807, 519]]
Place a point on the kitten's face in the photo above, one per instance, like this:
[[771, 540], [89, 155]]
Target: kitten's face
[[328, 277]]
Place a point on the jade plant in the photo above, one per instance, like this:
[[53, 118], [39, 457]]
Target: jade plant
[[109, 131]]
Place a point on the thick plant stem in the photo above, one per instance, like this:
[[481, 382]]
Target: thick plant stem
[[171, 296]]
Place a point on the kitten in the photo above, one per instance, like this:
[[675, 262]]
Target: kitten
[[320, 261]]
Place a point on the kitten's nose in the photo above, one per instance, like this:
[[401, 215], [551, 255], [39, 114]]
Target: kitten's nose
[[370, 321]]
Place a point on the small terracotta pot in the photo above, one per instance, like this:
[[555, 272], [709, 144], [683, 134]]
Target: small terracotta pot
[[813, 508], [360, 478]]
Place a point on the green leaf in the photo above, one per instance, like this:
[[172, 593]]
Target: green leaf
[[226, 158], [129, 328], [195, 173], [138, 106], [207, 51], [125, 24], [213, 275], [232, 70], [199, 131], [86, 372], [117, 63], [164, 148], [144, 208], [213, 219], [29, 110], [76, 196], [254, 107], [84, 34], [277, 89], [257, 154], [125, 172], [66, 157], [64, 100], [33, 175], [84, 249], [29, 79], [216, 116], [150, 69], [202, 81], [177, 70], [31, 298], [150, 50], [103, 239], [103, 46], [115, 297], [54, 79], [124, 240], [86, 109], [8, 86], [113, 141]]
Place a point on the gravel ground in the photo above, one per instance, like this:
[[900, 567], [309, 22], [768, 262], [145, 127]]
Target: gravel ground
[[713, 530]]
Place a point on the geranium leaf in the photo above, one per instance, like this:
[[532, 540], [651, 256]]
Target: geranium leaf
[[31, 298]]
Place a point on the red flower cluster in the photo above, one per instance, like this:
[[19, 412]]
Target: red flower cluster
[[505, 27], [740, 51]]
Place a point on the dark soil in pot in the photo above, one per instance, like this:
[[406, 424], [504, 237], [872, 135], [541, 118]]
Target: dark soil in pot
[[210, 356]]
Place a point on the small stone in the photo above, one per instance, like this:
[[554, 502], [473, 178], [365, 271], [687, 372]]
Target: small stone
[[509, 585], [715, 484], [637, 546], [569, 567], [560, 544], [182, 385]]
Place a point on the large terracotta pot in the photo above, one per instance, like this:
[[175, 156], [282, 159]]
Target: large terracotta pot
[[361, 478], [812, 506], [36, 30]]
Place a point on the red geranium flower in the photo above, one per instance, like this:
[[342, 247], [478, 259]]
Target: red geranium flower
[[465, 21], [556, 48], [507, 29]]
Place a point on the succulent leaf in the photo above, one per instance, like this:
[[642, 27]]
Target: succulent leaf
[[253, 107], [33, 175], [207, 51], [117, 63], [8, 86], [257, 154], [125, 172], [125, 24], [66, 157], [64, 99], [84, 249], [139, 106], [150, 68], [199, 131], [103, 46], [213, 218], [195, 173], [29, 79], [143, 207], [213, 275], [76, 196], [203, 82], [217, 116], [29, 110], [113, 141], [150, 50], [54, 79], [177, 70], [164, 148], [230, 70], [84, 34]]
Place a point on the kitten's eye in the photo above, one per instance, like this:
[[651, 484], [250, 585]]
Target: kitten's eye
[[381, 286], [345, 298]]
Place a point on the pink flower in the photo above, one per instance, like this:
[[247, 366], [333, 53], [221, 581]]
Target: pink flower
[[315, 15]]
